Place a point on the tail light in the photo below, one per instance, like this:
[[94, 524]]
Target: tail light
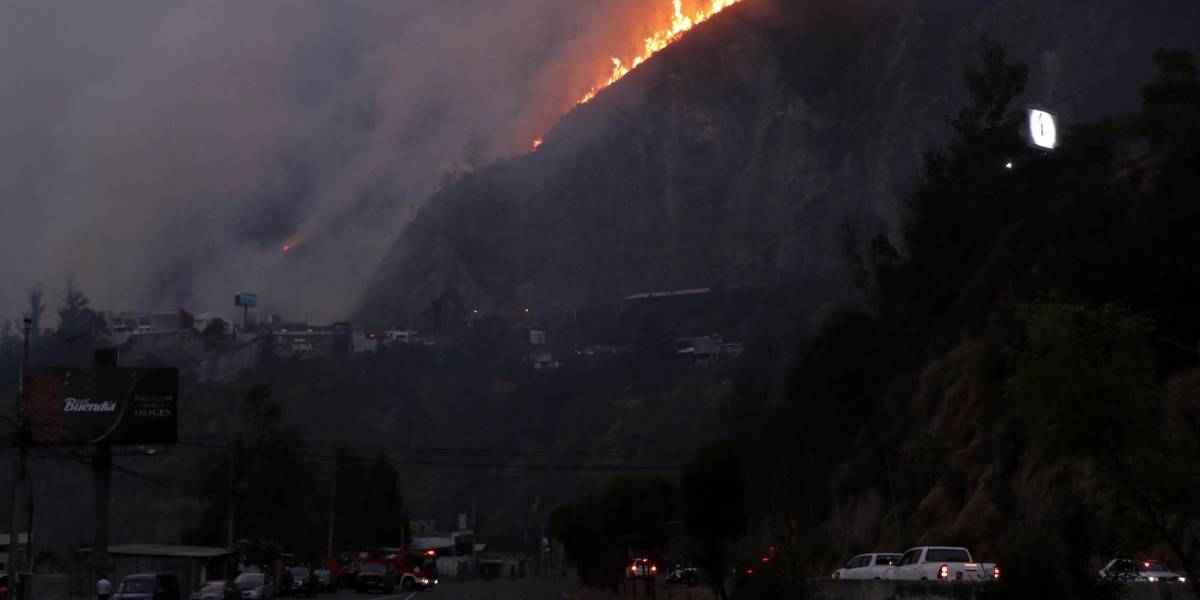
[[944, 572], [996, 572]]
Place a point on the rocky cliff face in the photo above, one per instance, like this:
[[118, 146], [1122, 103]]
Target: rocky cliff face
[[732, 156]]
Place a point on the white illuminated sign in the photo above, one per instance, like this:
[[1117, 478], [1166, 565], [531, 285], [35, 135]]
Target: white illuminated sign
[[1043, 130]]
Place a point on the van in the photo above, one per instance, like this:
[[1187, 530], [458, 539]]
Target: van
[[149, 586]]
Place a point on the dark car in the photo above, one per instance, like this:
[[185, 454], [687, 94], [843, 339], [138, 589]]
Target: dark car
[[301, 581], [689, 576], [375, 577], [327, 579], [255, 586], [217, 590], [149, 586]]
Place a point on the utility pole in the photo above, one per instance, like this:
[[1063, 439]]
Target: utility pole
[[229, 498], [887, 464], [231, 459], [102, 475], [332, 502], [18, 471]]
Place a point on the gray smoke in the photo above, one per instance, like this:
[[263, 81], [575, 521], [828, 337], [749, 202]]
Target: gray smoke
[[164, 152]]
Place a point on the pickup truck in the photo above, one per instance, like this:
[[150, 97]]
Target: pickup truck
[[941, 563], [867, 566]]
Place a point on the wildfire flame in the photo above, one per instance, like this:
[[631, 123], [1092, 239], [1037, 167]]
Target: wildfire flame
[[537, 143], [681, 22]]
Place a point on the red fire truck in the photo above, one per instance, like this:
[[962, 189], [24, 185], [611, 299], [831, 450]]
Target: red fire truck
[[411, 569]]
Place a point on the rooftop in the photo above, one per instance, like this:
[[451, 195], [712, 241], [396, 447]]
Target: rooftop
[[163, 550]]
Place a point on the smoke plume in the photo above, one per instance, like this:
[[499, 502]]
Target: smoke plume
[[164, 153]]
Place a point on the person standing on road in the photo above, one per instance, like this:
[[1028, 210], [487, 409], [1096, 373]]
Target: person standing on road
[[103, 587]]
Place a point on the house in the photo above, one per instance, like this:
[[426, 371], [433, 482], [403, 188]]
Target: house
[[402, 336], [704, 348], [194, 564]]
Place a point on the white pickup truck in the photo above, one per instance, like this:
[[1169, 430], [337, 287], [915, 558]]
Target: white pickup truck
[[941, 563]]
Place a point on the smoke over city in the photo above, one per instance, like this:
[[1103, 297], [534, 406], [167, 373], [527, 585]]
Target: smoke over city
[[165, 154]]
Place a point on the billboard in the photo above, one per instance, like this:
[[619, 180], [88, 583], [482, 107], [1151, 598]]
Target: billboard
[[116, 405], [245, 299]]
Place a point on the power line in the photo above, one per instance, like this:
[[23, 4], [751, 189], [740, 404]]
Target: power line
[[440, 464]]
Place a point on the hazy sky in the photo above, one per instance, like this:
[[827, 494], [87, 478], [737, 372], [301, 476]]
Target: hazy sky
[[163, 152]]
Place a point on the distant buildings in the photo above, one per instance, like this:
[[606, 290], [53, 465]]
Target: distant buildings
[[305, 340]]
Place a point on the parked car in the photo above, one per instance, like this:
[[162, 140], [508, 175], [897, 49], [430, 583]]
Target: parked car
[[1152, 571], [375, 577], [149, 586], [326, 579], [301, 581], [217, 590], [868, 566], [689, 576], [941, 563], [255, 586]]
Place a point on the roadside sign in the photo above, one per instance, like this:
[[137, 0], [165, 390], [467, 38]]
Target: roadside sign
[[116, 405], [245, 299]]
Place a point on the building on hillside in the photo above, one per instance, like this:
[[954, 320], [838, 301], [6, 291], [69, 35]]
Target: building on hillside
[[205, 320], [365, 343], [142, 323], [543, 360], [402, 336], [707, 348], [303, 340]]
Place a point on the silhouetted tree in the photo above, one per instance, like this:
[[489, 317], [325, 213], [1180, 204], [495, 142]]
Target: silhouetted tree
[[715, 506]]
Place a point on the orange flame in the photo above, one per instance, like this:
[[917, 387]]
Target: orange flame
[[680, 23]]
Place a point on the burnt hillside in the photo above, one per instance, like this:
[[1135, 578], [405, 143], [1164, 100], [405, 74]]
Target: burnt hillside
[[731, 157]]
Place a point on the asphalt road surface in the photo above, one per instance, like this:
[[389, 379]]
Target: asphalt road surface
[[496, 589]]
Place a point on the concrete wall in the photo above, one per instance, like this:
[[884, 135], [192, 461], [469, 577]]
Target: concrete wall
[[918, 590], [48, 587]]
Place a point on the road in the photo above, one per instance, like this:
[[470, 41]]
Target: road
[[497, 589]]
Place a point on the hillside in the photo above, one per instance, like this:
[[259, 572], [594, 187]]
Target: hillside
[[731, 157]]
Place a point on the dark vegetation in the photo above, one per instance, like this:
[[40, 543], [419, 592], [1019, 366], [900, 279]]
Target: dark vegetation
[[1018, 374], [1053, 293]]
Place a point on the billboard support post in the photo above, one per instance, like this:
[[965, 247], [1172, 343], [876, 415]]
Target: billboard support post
[[102, 476]]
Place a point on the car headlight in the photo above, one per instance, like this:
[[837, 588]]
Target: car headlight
[[1183, 580], [1152, 579]]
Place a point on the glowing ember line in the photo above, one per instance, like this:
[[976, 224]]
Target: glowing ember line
[[680, 23]]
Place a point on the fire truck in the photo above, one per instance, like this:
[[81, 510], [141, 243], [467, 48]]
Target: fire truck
[[411, 569]]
